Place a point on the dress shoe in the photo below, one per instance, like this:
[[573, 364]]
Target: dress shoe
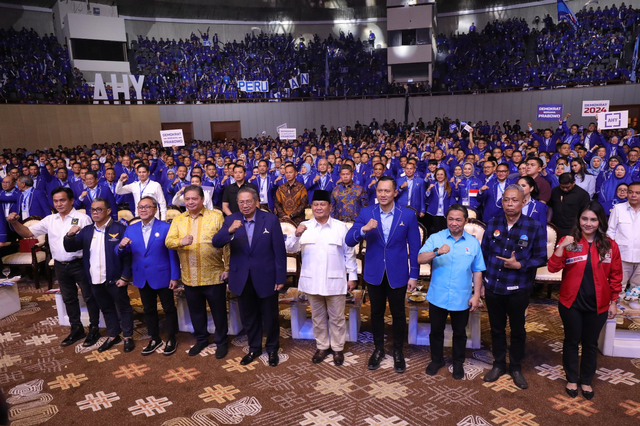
[[399, 365], [274, 359], [170, 347], [129, 344], [92, 336], [494, 374], [587, 394], [197, 348], [572, 392], [109, 343], [433, 367], [75, 335], [222, 351], [458, 371], [338, 358], [519, 380], [375, 359], [249, 358], [151, 347], [320, 355]]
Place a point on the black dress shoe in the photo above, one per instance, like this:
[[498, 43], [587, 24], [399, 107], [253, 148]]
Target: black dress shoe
[[129, 344], [151, 347], [375, 359], [92, 336], [338, 358], [587, 394], [75, 335], [519, 380], [170, 347], [197, 348], [109, 343], [320, 355], [458, 371], [433, 367], [274, 359], [572, 392], [222, 351], [494, 374], [249, 358], [399, 365]]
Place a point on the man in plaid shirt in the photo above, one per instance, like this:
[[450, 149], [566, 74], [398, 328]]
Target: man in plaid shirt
[[514, 247]]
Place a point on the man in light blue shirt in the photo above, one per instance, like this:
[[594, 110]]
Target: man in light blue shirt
[[456, 265]]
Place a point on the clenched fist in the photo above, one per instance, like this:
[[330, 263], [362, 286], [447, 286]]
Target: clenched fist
[[300, 230], [73, 230], [568, 240], [187, 240], [372, 224], [444, 250], [124, 177], [124, 242], [234, 226]]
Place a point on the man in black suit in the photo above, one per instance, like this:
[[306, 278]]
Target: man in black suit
[[108, 273], [257, 270]]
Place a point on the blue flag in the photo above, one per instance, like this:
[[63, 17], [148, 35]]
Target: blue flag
[[564, 13], [635, 61]]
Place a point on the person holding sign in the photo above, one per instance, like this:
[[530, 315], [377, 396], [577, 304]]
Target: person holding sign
[[144, 186]]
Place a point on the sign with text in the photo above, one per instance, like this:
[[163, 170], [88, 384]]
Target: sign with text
[[253, 86], [591, 108], [172, 137], [287, 134], [548, 112], [613, 120], [100, 89]]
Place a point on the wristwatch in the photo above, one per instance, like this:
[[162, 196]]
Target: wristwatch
[[435, 251]]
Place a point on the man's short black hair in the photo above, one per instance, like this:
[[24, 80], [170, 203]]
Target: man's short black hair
[[389, 179], [64, 189]]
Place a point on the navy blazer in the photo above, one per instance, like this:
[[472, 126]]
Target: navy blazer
[[102, 191], [417, 193], [432, 199], [155, 264], [492, 205], [38, 204], [117, 267], [392, 255], [328, 185], [265, 261]]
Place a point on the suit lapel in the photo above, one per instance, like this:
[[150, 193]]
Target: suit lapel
[[397, 218], [376, 216], [151, 237], [257, 228]]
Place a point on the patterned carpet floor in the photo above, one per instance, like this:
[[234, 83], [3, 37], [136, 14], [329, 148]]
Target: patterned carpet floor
[[47, 384]]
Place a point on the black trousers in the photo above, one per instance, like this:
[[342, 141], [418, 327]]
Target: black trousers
[[434, 224], [71, 276], [459, 320], [149, 297], [502, 307], [258, 314], [580, 327], [379, 294], [116, 307], [197, 299]]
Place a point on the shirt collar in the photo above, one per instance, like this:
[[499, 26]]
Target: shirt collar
[[317, 224], [393, 209], [253, 219], [150, 224], [103, 227], [452, 237]]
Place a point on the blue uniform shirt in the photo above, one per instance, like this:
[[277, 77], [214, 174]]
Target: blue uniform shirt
[[452, 273]]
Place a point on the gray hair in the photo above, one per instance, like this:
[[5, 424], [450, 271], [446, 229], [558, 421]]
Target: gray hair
[[27, 180], [150, 198], [515, 188], [249, 190]]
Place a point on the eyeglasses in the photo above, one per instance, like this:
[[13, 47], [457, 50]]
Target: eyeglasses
[[245, 203], [146, 207], [97, 210]]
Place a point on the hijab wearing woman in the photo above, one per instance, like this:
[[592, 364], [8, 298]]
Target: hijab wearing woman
[[610, 185]]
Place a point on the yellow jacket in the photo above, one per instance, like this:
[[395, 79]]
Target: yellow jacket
[[200, 262]]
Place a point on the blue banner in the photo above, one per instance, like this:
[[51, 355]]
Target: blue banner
[[565, 14], [549, 112], [635, 61]]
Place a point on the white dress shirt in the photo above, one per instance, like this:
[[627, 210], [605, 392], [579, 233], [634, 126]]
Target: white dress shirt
[[146, 231], [624, 229], [139, 190], [57, 229], [326, 258], [97, 256]]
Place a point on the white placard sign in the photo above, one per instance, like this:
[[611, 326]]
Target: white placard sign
[[591, 108], [172, 137], [613, 120], [287, 134]]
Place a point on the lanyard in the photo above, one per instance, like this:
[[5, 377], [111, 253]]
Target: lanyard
[[26, 198], [143, 188], [91, 193]]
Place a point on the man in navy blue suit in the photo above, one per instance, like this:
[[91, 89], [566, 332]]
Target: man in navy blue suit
[[257, 270], [32, 201], [156, 271], [95, 190], [392, 236], [107, 272], [411, 190]]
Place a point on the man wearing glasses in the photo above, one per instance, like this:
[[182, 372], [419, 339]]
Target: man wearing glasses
[[490, 195], [156, 271], [108, 273]]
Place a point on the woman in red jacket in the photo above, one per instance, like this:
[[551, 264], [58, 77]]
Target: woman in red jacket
[[591, 281]]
